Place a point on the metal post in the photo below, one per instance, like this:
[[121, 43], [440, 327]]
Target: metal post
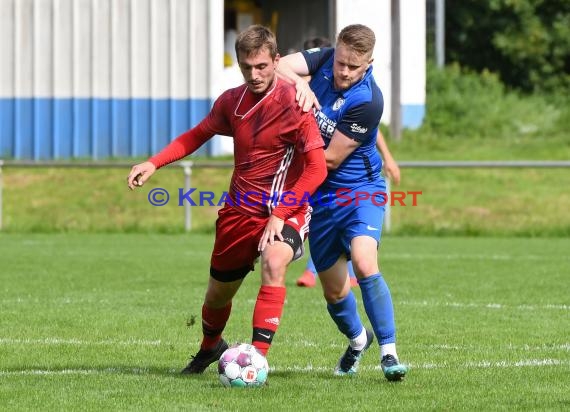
[[187, 167], [387, 210], [395, 81], [1, 164], [440, 32]]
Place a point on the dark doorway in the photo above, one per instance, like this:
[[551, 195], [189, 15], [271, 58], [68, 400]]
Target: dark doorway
[[293, 21]]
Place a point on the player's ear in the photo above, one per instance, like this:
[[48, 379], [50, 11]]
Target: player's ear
[[370, 62], [276, 59]]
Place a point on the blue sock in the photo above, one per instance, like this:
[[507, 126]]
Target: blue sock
[[350, 269], [378, 305], [345, 315], [311, 266]]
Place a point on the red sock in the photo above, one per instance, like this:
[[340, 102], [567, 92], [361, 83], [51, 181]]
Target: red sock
[[213, 324], [267, 315]]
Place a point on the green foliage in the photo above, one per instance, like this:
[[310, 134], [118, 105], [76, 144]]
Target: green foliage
[[462, 103], [526, 41]]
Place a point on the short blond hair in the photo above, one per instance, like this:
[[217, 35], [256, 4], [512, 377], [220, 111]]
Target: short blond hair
[[255, 38], [358, 37]]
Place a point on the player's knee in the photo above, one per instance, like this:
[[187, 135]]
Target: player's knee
[[334, 296], [271, 266], [217, 298], [274, 261], [335, 291], [273, 269], [364, 268]]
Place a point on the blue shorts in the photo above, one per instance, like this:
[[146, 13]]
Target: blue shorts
[[341, 215]]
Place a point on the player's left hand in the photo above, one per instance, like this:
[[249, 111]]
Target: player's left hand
[[273, 229]]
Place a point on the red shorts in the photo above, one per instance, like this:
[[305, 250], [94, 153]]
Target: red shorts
[[237, 237]]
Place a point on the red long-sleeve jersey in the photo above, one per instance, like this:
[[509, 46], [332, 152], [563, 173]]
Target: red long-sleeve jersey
[[277, 148]]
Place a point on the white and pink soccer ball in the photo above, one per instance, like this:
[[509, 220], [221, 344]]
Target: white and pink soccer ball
[[242, 365]]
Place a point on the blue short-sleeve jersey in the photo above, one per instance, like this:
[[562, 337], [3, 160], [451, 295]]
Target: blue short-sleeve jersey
[[355, 112]]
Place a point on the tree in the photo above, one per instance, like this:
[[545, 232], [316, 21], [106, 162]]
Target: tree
[[527, 42]]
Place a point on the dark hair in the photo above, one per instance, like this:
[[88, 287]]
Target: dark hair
[[316, 42], [254, 38]]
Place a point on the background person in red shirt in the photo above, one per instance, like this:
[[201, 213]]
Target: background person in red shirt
[[277, 148]]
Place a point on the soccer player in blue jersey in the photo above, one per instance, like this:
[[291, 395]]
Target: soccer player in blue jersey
[[392, 171], [348, 207]]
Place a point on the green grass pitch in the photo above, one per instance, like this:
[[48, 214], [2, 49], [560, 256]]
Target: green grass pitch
[[106, 321]]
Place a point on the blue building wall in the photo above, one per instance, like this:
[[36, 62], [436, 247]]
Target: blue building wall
[[52, 128]]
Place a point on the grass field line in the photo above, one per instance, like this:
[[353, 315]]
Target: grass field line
[[483, 305], [295, 368], [463, 256], [78, 342], [469, 365], [495, 306], [289, 342], [544, 347], [317, 302]]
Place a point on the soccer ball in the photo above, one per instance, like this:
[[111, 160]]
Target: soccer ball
[[242, 365]]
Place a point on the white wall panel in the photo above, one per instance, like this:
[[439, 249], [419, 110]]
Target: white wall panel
[[413, 40], [120, 49], [160, 48], [111, 48], [179, 46], [140, 49], [7, 40], [215, 45], [101, 49], [43, 48], [198, 48], [82, 48], [62, 48], [23, 50]]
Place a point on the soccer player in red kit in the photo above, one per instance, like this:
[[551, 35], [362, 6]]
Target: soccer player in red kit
[[277, 148]]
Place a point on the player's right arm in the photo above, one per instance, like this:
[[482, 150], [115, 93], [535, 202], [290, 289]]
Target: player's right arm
[[294, 69], [185, 144], [339, 148]]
